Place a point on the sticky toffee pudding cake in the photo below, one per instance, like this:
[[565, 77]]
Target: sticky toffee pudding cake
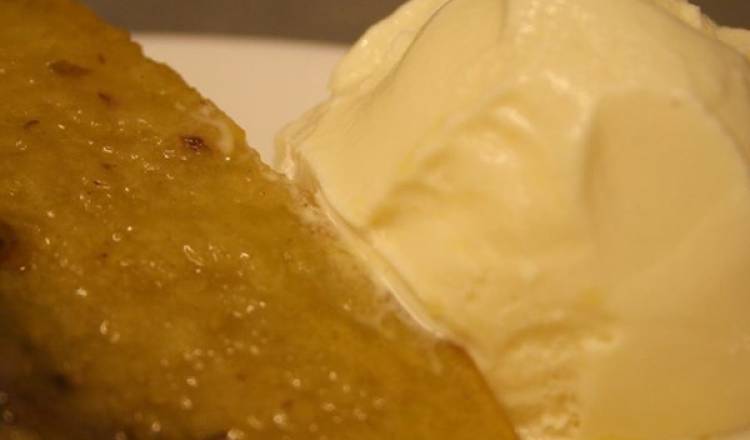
[[158, 281]]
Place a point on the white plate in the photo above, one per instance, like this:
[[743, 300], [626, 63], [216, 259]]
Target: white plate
[[261, 83]]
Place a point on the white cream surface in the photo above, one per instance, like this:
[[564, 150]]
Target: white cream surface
[[562, 187]]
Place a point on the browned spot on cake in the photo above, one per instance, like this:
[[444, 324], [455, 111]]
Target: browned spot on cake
[[30, 123], [66, 68], [106, 98], [9, 248], [62, 383], [194, 143]]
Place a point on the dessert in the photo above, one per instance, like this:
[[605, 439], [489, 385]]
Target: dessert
[[562, 188], [158, 281]]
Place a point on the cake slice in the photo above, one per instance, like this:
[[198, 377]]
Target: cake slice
[[158, 281]]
